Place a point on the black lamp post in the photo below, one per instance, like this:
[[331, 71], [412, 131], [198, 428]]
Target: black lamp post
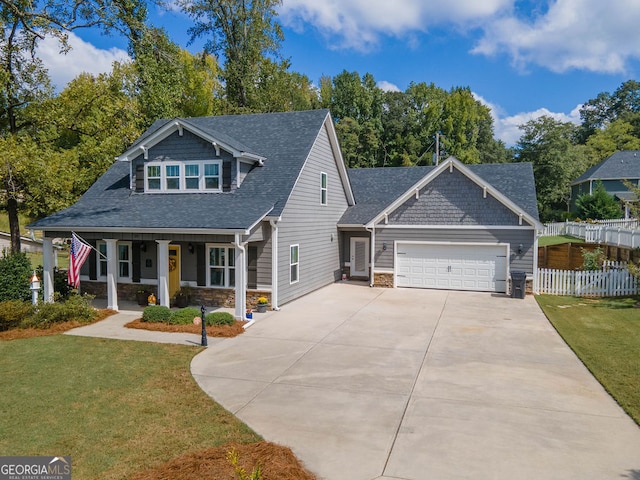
[[203, 312]]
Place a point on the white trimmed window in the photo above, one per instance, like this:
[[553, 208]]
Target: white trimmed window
[[124, 260], [294, 263], [203, 176], [323, 188], [221, 267]]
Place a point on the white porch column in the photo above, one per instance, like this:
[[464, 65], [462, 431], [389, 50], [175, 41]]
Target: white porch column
[[163, 271], [47, 269], [112, 273], [274, 264], [241, 279]]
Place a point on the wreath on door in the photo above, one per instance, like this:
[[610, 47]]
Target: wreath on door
[[172, 264]]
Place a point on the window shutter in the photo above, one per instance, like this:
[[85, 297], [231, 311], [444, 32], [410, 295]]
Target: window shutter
[[226, 176], [135, 262], [93, 269], [139, 178], [201, 268]]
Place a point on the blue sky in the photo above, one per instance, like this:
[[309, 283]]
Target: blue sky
[[522, 58]]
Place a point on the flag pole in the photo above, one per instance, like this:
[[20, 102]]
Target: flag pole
[[89, 245]]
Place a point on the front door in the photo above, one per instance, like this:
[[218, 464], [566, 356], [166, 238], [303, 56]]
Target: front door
[[359, 257], [174, 269]]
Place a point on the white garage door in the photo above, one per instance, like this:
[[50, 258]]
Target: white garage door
[[452, 267]]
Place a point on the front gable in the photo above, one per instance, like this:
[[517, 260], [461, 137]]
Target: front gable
[[451, 194], [452, 198]]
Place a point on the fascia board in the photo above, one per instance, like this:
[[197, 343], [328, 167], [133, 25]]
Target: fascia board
[[342, 168]]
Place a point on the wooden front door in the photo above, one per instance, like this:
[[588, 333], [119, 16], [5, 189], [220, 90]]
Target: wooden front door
[[174, 269]]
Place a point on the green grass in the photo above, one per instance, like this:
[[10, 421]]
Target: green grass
[[24, 221], [605, 334], [546, 241], [116, 407]]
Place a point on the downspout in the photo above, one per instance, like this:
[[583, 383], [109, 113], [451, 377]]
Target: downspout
[[372, 253], [274, 264], [535, 263], [241, 286]]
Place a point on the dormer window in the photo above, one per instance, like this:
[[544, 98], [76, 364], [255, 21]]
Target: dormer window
[[192, 176]]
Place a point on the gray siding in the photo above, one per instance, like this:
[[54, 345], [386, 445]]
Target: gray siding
[[184, 148], [264, 258], [452, 199], [514, 237], [312, 226]]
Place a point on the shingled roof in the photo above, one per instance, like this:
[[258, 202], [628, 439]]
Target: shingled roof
[[377, 188], [618, 166], [283, 139]]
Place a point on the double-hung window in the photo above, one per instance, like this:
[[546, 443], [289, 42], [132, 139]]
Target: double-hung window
[[124, 260], [294, 263], [188, 176], [221, 270], [323, 188]]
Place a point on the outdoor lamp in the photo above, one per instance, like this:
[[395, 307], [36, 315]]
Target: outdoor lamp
[[203, 313], [520, 248], [35, 288]]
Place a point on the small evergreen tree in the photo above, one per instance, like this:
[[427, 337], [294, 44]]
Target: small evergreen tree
[[600, 205], [15, 274]]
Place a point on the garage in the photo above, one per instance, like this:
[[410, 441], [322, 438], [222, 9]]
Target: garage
[[476, 267]]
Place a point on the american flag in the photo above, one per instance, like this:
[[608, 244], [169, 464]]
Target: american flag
[[77, 255]]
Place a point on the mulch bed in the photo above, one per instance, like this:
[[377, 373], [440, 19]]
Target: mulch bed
[[212, 331], [276, 463], [55, 329]]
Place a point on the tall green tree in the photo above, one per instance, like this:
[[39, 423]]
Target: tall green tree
[[549, 145], [244, 32], [617, 135], [23, 79]]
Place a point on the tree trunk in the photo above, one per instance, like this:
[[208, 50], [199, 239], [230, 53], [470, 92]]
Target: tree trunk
[[14, 224]]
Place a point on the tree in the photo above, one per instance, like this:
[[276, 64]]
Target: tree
[[599, 205], [615, 136], [549, 145], [244, 32], [23, 78]]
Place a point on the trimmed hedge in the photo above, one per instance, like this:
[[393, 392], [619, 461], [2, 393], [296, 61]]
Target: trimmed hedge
[[219, 318], [13, 313], [76, 307], [184, 316], [156, 313]]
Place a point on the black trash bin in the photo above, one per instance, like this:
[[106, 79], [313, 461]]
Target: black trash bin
[[518, 283]]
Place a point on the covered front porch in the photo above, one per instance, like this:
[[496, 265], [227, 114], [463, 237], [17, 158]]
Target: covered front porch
[[220, 270]]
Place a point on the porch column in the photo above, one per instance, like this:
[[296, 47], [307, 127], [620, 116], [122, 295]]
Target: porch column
[[241, 278], [163, 271], [112, 273], [274, 264], [372, 260], [47, 269]]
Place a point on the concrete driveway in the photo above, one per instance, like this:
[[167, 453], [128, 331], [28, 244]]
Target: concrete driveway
[[412, 384]]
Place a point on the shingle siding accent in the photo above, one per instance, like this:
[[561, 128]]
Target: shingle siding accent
[[452, 199], [307, 223], [515, 237]]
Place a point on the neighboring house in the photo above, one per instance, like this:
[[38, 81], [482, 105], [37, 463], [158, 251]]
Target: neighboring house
[[26, 243], [611, 172], [243, 206]]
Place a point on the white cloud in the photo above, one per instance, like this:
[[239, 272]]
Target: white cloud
[[83, 57], [506, 127], [359, 24], [587, 35], [388, 86]]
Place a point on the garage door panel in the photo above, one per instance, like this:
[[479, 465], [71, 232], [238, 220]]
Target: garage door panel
[[456, 267]]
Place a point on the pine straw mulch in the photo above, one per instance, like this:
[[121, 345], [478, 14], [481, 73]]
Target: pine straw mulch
[[55, 329], [276, 463], [212, 331]]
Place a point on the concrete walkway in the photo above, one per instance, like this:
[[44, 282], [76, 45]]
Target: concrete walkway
[[421, 384]]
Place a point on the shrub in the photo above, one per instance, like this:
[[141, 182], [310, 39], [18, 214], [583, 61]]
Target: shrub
[[13, 313], [592, 260], [60, 282], [219, 318], [184, 316], [76, 307], [15, 273], [156, 313]]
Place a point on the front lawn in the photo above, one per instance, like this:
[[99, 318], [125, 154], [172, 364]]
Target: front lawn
[[115, 407], [605, 334]]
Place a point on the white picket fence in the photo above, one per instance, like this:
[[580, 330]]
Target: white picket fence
[[623, 233], [614, 280]]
